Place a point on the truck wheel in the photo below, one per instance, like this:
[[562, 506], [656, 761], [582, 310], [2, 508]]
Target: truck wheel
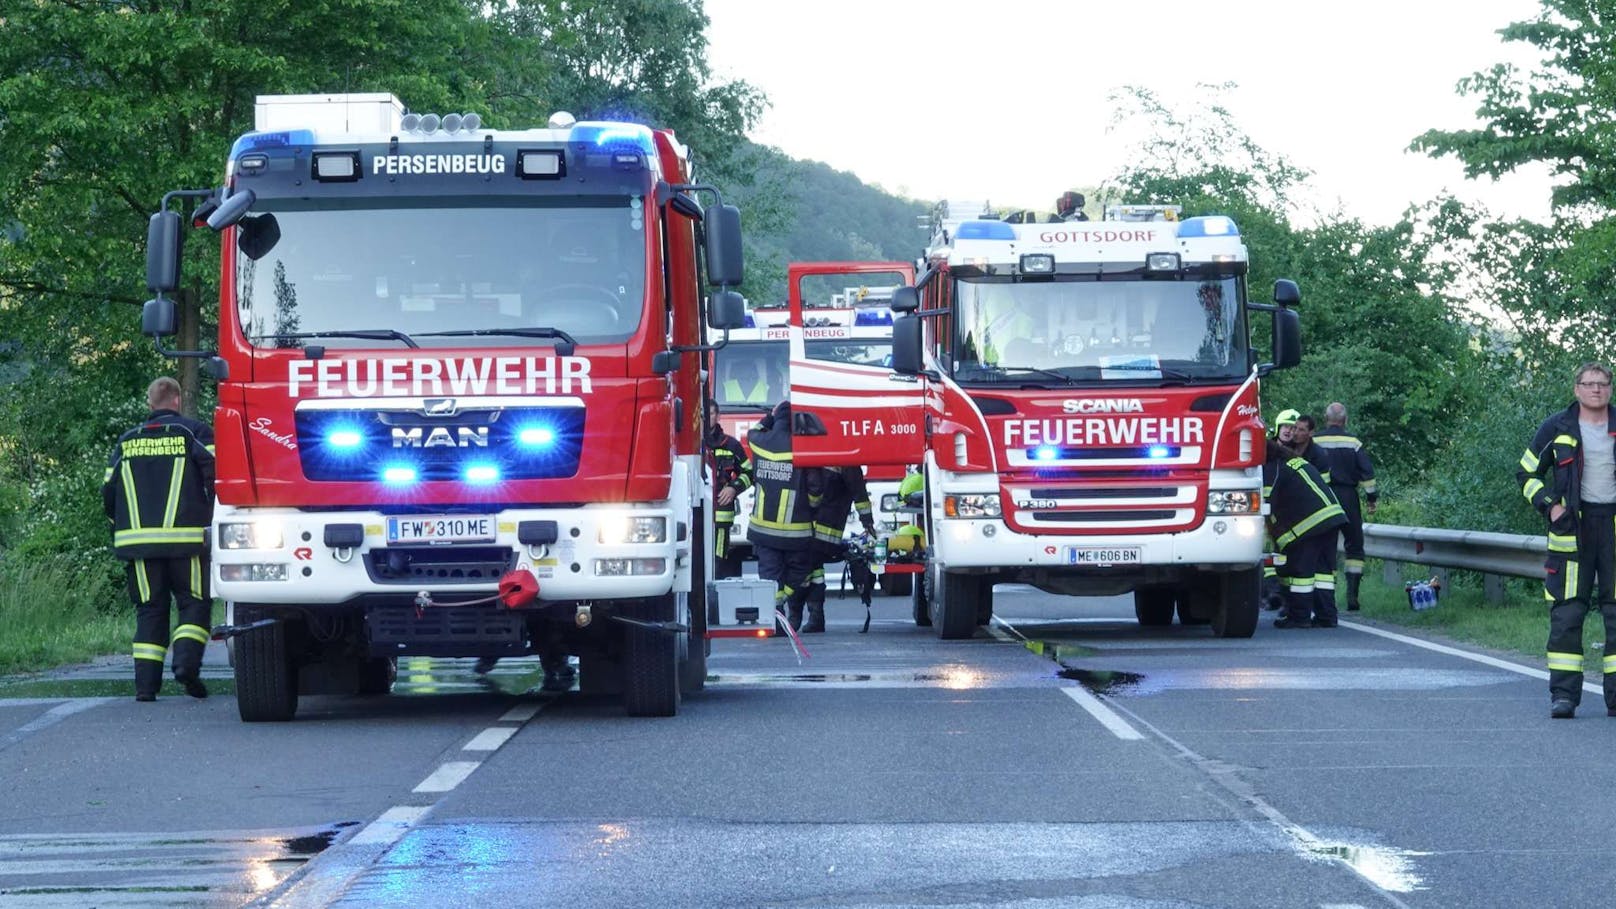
[[1154, 606], [1195, 606], [693, 668], [651, 661], [697, 605], [1238, 603], [377, 674], [897, 585], [266, 680], [920, 600], [954, 604]]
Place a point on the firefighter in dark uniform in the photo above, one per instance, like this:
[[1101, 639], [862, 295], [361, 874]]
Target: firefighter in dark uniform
[[781, 526], [731, 469], [1568, 473], [158, 491], [1351, 475], [837, 488], [1303, 444], [1302, 518]]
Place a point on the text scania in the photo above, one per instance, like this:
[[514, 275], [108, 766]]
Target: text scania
[[1104, 431], [395, 378], [437, 164], [1106, 405]]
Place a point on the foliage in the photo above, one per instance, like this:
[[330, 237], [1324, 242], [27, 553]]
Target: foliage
[[52, 612]]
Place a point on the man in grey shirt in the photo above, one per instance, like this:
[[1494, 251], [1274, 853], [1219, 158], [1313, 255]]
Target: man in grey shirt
[[1568, 473]]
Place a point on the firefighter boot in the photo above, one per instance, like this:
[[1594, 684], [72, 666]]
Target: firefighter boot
[[815, 601], [794, 608], [1352, 591], [187, 655], [148, 678]]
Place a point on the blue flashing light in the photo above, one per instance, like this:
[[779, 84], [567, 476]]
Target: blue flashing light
[[1208, 226], [1160, 451], [286, 138], [608, 135], [399, 476], [1045, 453], [536, 436], [482, 473], [986, 230], [873, 317], [344, 439], [750, 322]]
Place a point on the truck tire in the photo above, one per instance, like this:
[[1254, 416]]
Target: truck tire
[[1239, 600], [376, 675], [955, 602], [1154, 606], [897, 585], [1196, 603], [651, 671], [920, 600], [266, 680]]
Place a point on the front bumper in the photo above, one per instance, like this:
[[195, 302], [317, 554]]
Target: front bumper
[[1235, 540]]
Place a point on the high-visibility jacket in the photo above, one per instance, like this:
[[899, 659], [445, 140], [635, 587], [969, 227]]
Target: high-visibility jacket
[[732, 467], [1350, 467], [158, 488], [782, 506], [1300, 503], [1315, 455], [1550, 472], [840, 487], [734, 393]]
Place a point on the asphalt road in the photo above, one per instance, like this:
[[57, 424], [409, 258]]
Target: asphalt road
[[1045, 763]]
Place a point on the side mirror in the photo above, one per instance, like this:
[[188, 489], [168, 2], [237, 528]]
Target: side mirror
[[1286, 293], [726, 309], [685, 205], [906, 355], [1287, 336], [159, 318], [232, 209], [163, 247], [905, 299], [724, 260]]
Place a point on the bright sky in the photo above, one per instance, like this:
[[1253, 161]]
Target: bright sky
[[1007, 99]]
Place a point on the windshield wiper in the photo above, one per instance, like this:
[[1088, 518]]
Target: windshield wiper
[[565, 348], [1047, 373], [371, 334]]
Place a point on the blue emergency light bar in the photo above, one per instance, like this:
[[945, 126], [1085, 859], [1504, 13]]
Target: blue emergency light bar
[[607, 136], [1208, 226], [286, 138], [985, 230]]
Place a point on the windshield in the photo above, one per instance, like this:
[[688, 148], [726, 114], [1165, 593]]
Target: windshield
[[1086, 330], [421, 266], [753, 374]]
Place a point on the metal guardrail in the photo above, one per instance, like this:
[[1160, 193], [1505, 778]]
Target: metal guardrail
[[1495, 555]]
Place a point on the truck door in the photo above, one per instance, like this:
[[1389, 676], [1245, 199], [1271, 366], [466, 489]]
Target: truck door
[[848, 406]]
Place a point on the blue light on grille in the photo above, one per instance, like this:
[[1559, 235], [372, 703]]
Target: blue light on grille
[[1160, 451], [344, 439], [1045, 453], [482, 473], [536, 436], [399, 476]]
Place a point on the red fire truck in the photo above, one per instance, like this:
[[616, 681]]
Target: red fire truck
[[845, 310], [1083, 397], [455, 361]]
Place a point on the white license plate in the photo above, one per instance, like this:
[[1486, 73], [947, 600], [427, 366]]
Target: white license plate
[[1103, 555], [441, 528]]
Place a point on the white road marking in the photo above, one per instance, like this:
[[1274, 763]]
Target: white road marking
[[1107, 717], [448, 776], [50, 718], [490, 739], [390, 826], [1482, 658], [521, 713]]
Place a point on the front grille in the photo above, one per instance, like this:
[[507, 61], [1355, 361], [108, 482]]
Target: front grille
[[1085, 517], [439, 564], [1111, 492], [519, 443]]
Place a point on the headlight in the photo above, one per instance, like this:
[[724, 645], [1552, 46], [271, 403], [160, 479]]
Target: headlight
[[889, 502], [1233, 502], [263, 533], [627, 529], [975, 505]]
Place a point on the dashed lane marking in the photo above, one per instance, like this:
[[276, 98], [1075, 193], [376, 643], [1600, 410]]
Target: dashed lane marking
[[1107, 717], [490, 739]]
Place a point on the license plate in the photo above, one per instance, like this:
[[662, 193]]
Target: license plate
[[441, 528], [1103, 555]]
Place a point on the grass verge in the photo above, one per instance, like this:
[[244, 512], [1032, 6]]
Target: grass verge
[[47, 618]]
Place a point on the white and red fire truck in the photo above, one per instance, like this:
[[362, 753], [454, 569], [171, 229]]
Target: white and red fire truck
[[844, 308], [457, 363], [1083, 397]]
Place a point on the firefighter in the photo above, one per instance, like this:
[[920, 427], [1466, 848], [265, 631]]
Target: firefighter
[[1351, 474], [731, 469], [1070, 206], [836, 488], [781, 526], [1302, 443], [158, 492], [739, 389], [1568, 473], [1295, 431], [1302, 518]]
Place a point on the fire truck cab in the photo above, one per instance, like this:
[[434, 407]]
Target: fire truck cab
[[1083, 399]]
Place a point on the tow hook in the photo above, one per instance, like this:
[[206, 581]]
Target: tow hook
[[223, 632], [664, 627]]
